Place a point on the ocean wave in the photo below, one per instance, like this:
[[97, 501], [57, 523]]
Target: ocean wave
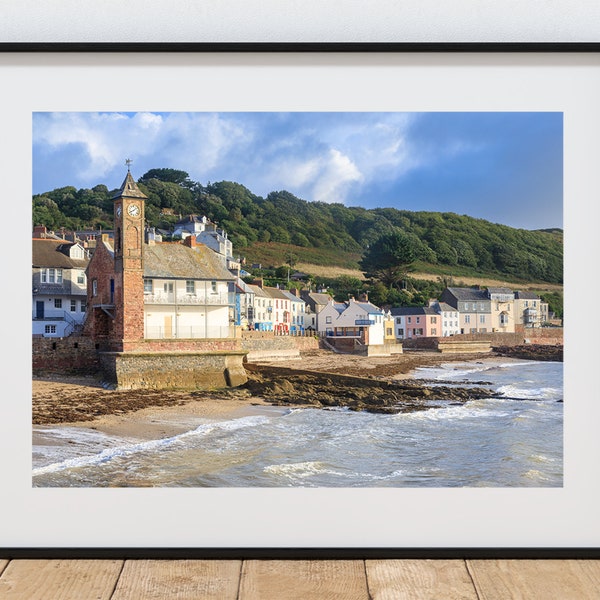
[[148, 446], [474, 409], [301, 470], [540, 393]]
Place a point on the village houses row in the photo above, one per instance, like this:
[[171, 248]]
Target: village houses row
[[193, 289]]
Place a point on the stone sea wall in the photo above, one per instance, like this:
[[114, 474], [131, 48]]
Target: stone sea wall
[[174, 370]]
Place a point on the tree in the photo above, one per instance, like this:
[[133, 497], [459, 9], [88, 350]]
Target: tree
[[166, 175], [389, 259]]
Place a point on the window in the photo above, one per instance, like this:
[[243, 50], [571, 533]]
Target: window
[[482, 318], [418, 331], [327, 319], [434, 331], [57, 302], [400, 332], [213, 287], [73, 305], [467, 318], [409, 320], [82, 306], [148, 286], [389, 331], [434, 320], [398, 320], [50, 329], [418, 319], [190, 287], [51, 275], [503, 319], [80, 277]]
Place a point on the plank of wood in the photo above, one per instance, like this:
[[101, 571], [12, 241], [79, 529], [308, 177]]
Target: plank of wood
[[540, 579], [303, 579], [59, 579], [181, 579], [401, 579]]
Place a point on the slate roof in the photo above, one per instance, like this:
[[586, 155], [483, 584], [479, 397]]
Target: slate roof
[[315, 298], [292, 297], [55, 253], [500, 290], [258, 291], [275, 293], [176, 261], [446, 307], [129, 189], [402, 311], [468, 294], [526, 296], [370, 308]]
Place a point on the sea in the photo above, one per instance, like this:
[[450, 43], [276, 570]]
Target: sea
[[514, 439]]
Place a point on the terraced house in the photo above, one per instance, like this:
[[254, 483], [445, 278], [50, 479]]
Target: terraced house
[[58, 287]]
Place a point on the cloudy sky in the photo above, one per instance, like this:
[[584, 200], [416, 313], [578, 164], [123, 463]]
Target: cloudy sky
[[502, 167]]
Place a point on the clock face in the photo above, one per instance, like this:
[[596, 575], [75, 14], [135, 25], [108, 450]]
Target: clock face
[[133, 210]]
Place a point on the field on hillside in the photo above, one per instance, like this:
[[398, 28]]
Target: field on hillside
[[333, 271]]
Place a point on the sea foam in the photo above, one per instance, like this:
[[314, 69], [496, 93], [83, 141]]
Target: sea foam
[[148, 446]]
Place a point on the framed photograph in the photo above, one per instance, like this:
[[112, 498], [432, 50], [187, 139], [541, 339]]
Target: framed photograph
[[389, 128]]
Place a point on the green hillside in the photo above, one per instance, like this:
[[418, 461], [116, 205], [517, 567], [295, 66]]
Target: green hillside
[[281, 227]]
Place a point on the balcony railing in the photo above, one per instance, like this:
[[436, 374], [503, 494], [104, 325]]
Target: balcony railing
[[189, 332], [224, 299]]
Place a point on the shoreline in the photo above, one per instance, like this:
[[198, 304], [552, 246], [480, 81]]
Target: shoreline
[[83, 402]]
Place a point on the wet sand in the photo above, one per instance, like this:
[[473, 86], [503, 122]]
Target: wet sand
[[150, 414]]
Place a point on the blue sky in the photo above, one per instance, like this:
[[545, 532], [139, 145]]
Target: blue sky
[[503, 167]]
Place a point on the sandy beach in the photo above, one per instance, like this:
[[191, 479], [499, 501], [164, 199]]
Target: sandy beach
[[149, 414]]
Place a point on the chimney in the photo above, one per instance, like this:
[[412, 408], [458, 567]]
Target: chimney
[[190, 241], [40, 231], [364, 297], [105, 237], [295, 292], [259, 282]]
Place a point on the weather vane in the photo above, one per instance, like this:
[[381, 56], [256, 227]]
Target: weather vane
[[128, 162]]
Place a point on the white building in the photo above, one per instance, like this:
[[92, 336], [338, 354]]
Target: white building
[[450, 319], [353, 319], [59, 287], [186, 293], [298, 311]]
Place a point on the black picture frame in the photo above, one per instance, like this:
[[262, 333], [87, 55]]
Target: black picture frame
[[293, 553]]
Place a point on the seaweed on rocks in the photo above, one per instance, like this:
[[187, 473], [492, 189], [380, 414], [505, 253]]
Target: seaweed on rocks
[[284, 386]]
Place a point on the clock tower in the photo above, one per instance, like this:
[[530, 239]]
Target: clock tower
[[129, 261]]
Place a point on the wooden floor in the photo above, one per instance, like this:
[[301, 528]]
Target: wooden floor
[[302, 579]]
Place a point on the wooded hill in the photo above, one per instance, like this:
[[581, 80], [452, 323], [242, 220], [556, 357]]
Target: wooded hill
[[317, 232]]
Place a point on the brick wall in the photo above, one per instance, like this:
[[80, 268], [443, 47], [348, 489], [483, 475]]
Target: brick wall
[[72, 355]]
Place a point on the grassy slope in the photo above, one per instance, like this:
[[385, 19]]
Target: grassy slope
[[325, 262]]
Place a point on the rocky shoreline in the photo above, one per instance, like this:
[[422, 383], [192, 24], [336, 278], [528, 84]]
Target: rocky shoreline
[[282, 386], [531, 352], [318, 379]]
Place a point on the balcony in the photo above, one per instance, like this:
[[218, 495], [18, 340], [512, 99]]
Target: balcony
[[189, 332], [224, 299], [364, 322]]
